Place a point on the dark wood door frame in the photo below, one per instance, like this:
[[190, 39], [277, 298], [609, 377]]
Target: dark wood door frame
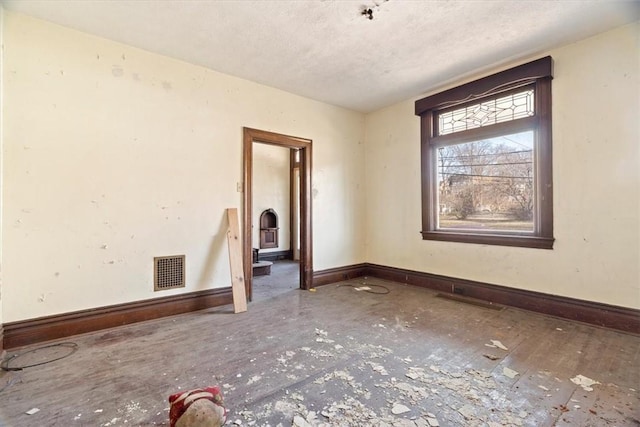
[[304, 146]]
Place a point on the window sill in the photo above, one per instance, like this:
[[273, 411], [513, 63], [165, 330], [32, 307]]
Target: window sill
[[535, 242]]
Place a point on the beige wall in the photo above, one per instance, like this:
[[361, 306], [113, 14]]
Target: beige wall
[[113, 155], [596, 171], [271, 191], [1, 152]]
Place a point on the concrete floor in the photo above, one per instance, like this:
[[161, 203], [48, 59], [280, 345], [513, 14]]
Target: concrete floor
[[284, 277], [340, 357]]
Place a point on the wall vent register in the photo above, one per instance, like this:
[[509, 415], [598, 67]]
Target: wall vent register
[[168, 272]]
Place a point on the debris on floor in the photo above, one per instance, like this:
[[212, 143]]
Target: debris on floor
[[497, 344], [365, 370], [584, 382], [510, 372], [433, 422], [399, 408]]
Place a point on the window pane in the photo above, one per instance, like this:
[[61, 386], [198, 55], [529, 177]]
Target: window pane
[[487, 185], [511, 107]]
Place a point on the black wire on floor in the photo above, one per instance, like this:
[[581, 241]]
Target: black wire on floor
[[73, 347], [364, 286]]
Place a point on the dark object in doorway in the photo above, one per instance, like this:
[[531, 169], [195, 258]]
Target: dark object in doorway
[[262, 268], [269, 229], [275, 255]]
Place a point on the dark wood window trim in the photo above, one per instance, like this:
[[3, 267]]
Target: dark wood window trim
[[536, 74]]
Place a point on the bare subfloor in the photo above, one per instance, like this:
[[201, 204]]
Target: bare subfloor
[[284, 277], [340, 357]]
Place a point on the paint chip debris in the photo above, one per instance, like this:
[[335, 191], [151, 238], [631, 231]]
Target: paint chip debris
[[467, 411], [298, 421], [491, 356], [399, 408], [510, 372], [413, 375], [584, 382], [497, 344], [378, 368], [32, 411], [254, 379]]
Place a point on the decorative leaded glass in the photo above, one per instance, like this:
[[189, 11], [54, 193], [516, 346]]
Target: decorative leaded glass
[[510, 107]]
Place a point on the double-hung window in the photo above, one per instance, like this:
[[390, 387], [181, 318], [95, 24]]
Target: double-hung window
[[486, 160]]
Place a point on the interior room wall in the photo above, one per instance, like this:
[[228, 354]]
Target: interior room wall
[[1, 155], [596, 167], [271, 191], [114, 155]]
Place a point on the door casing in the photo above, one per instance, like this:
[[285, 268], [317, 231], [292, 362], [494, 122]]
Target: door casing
[[250, 136]]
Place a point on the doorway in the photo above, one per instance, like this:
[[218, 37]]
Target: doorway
[[301, 150]]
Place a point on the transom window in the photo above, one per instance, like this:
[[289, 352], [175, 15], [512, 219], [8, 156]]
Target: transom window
[[498, 110], [486, 160]]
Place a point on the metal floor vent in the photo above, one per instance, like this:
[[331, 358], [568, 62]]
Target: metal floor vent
[[472, 301], [168, 272]]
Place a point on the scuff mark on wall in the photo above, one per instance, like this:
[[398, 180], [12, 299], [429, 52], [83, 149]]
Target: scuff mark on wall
[[117, 71]]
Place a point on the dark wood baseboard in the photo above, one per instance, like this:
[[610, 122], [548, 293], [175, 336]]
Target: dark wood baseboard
[[609, 316], [338, 274], [47, 328], [26, 332], [275, 256]]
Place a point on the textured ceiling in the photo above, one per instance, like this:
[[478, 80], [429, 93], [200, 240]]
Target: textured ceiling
[[327, 50]]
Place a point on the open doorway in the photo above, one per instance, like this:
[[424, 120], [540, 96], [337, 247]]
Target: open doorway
[[275, 225], [300, 204]]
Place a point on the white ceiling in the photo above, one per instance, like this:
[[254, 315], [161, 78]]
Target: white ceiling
[[328, 51]]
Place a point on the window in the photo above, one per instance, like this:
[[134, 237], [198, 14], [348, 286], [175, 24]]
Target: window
[[486, 160]]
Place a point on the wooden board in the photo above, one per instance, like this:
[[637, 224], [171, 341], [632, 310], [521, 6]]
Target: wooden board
[[235, 261]]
